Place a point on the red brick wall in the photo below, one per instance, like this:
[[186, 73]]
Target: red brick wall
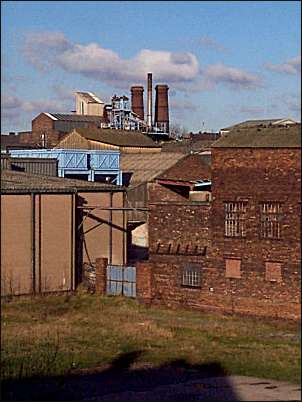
[[182, 227], [43, 124], [250, 295], [256, 176]]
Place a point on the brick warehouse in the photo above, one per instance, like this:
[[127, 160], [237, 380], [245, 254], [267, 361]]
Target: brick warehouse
[[241, 251]]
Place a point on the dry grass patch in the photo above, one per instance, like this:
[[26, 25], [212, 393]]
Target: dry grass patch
[[57, 334]]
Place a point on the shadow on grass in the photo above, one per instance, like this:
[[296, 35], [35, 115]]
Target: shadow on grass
[[174, 381]]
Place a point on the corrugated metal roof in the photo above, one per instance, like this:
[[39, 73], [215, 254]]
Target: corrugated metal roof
[[77, 117], [117, 137], [268, 137], [19, 182], [147, 166]]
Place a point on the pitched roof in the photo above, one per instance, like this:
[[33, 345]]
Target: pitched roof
[[118, 137], [146, 166], [265, 122], [268, 137], [190, 168], [20, 182], [77, 117]]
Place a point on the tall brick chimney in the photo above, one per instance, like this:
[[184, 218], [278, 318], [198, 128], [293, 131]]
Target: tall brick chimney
[[162, 107], [137, 100]]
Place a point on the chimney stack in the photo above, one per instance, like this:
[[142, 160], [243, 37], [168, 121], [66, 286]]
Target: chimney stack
[[162, 107], [149, 102], [137, 100]]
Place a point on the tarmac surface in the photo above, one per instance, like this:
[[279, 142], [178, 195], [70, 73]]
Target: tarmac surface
[[125, 380]]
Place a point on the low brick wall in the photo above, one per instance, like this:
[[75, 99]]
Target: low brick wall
[[159, 283]]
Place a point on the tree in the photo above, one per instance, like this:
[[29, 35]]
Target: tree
[[178, 131]]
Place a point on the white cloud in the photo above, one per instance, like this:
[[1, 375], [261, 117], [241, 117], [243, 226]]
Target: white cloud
[[206, 41], [41, 48], [292, 66], [181, 69], [234, 77], [13, 106], [10, 102]]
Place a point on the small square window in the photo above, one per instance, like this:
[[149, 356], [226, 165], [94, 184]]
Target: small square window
[[191, 276], [232, 268], [273, 271]]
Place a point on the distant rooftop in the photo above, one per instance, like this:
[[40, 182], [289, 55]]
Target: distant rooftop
[[146, 166], [76, 117], [20, 182], [117, 137], [265, 122], [89, 97], [265, 137]]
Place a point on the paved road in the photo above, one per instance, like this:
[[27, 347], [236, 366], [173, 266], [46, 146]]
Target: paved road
[[233, 388]]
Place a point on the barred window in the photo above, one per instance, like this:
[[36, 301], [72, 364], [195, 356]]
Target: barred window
[[234, 223], [270, 220], [191, 275]]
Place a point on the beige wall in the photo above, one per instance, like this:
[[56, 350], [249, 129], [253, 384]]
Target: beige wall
[[98, 239], [56, 242], [50, 261], [16, 253]]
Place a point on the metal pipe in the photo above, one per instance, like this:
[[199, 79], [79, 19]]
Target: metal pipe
[[149, 101]]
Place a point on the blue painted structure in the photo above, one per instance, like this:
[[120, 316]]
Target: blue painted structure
[[79, 161], [121, 280]]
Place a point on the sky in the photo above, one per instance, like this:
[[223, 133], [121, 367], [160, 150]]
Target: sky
[[224, 61]]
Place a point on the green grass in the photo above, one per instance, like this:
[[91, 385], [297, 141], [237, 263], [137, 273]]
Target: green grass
[[57, 334]]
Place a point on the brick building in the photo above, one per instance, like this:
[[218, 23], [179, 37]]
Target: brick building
[[241, 251], [179, 236], [256, 215], [49, 128]]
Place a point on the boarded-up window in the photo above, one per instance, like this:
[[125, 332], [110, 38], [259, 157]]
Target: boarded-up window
[[273, 271], [232, 268], [270, 213], [234, 219], [191, 275]]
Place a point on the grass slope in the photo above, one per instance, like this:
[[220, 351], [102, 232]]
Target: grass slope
[[59, 334]]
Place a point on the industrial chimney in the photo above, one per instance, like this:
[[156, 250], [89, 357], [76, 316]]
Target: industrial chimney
[[162, 108], [149, 102], [137, 100]]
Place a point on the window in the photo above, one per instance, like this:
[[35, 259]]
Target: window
[[270, 219], [232, 268], [273, 271], [234, 223], [191, 276]]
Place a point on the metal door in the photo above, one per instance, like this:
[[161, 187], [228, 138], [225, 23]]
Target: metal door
[[121, 280]]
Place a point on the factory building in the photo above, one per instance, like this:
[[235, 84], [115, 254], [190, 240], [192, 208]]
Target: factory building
[[51, 228]]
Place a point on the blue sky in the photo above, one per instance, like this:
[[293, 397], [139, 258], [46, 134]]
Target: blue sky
[[224, 61]]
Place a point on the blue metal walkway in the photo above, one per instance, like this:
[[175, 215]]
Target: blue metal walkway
[[79, 161]]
